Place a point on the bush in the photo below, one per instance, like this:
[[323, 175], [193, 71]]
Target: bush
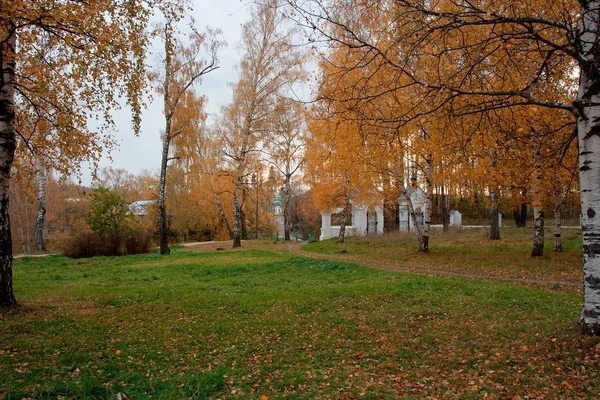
[[90, 244], [87, 244], [138, 242], [112, 230], [109, 215]]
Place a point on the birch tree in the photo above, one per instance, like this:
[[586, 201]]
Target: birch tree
[[184, 67], [285, 149], [41, 175], [270, 66], [95, 57], [540, 38]]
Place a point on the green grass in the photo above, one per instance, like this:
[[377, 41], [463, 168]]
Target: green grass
[[467, 251], [241, 325]]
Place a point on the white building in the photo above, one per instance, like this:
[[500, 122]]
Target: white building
[[278, 215], [366, 220], [141, 207]]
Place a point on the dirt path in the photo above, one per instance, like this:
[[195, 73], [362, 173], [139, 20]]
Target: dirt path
[[36, 255], [294, 248]]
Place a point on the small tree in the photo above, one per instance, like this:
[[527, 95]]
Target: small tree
[[109, 216]]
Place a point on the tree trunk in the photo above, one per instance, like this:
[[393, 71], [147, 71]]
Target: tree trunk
[[445, 213], [243, 223], [519, 210], [256, 210], [423, 239], [162, 212], [538, 232], [222, 212], [41, 214], [19, 223], [538, 206], [494, 214], [588, 128], [237, 231], [286, 208], [520, 215], [168, 113], [557, 217], [429, 203], [342, 234], [517, 216], [7, 153], [243, 214]]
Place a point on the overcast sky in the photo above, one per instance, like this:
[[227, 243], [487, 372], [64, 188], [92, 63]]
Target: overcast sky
[[143, 152]]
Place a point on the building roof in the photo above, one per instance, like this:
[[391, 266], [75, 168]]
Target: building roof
[[140, 207]]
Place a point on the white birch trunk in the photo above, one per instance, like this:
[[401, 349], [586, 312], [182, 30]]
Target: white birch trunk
[[27, 226], [162, 211], [40, 245], [342, 234], [537, 203], [422, 239], [222, 212], [428, 205], [588, 131], [168, 113]]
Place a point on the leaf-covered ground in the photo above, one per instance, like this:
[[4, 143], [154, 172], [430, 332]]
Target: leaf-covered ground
[[257, 324], [467, 253]]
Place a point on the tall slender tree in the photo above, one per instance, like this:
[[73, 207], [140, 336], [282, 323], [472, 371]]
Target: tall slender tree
[[42, 177], [95, 55], [184, 67], [269, 68], [285, 149]]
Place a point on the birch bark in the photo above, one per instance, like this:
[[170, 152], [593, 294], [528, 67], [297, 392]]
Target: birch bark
[[588, 131], [162, 211], [222, 212], [428, 204], [421, 237], [345, 210], [538, 206], [40, 245]]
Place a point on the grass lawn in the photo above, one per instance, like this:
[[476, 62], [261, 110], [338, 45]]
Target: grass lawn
[[256, 324], [467, 252]]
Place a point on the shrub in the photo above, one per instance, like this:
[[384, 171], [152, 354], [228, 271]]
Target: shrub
[[138, 242], [90, 244], [112, 230], [109, 215], [86, 244]]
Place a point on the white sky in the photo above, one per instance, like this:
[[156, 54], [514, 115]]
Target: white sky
[[136, 154]]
